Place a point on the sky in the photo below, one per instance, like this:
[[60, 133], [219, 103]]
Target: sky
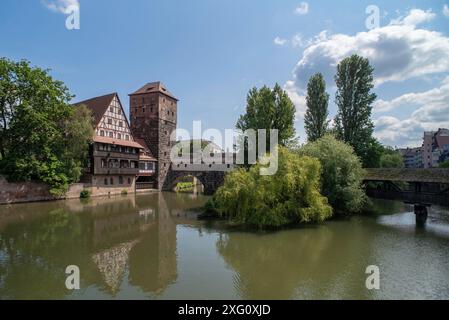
[[210, 53]]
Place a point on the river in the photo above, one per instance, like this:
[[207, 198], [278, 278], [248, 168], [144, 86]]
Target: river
[[153, 247]]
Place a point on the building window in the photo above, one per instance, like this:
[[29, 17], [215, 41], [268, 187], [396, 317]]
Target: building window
[[129, 180], [111, 109], [106, 181], [104, 163], [119, 136], [109, 121], [102, 133], [119, 111], [120, 180], [127, 137], [111, 134], [143, 110], [112, 181], [120, 124]]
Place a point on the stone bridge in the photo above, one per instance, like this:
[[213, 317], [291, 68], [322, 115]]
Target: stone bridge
[[211, 176]]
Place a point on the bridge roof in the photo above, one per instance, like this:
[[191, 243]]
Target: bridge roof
[[436, 175]]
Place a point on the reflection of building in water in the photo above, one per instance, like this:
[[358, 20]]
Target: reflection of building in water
[[112, 263], [140, 239], [153, 264]]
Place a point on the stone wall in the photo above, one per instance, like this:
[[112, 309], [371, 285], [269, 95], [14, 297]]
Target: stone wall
[[35, 191]]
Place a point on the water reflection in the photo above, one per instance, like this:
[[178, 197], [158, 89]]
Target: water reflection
[[152, 246], [109, 239]]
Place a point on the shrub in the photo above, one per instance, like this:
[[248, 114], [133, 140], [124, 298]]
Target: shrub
[[290, 196], [124, 192], [341, 175], [85, 194]]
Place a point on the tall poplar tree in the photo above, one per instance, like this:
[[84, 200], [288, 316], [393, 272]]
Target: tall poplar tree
[[354, 80], [315, 119]]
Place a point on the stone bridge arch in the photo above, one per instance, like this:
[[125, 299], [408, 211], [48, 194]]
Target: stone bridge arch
[[211, 180]]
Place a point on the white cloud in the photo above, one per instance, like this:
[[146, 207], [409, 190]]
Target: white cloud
[[415, 17], [61, 6], [280, 41], [297, 40], [446, 10], [434, 99], [298, 99], [398, 51], [302, 9], [431, 111]]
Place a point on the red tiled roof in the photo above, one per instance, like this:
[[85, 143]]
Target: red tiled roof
[[124, 143], [147, 158], [154, 87], [98, 105], [147, 152]]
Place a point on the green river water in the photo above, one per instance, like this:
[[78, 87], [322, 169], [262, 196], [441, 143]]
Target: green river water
[[153, 247]]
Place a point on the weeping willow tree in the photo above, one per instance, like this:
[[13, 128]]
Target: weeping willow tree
[[290, 196]]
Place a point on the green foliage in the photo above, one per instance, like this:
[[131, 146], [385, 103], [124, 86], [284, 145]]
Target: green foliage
[[354, 80], [124, 192], [391, 160], [341, 175], [42, 137], [270, 109], [371, 152], [315, 120], [445, 165], [85, 194], [184, 186], [288, 197]]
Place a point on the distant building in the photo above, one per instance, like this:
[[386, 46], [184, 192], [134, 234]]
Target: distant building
[[412, 157], [435, 148]]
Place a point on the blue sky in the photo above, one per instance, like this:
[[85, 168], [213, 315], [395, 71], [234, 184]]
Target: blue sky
[[209, 53]]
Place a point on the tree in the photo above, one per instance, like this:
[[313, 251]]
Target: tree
[[391, 159], [371, 152], [315, 120], [445, 164], [341, 174], [354, 80], [270, 109], [290, 196], [42, 137]]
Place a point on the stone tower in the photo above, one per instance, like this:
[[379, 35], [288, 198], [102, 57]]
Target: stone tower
[[153, 113]]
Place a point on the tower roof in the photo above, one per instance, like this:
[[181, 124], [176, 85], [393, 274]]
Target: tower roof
[[153, 87]]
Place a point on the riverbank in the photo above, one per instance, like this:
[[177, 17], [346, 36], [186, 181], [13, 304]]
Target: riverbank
[[26, 192]]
